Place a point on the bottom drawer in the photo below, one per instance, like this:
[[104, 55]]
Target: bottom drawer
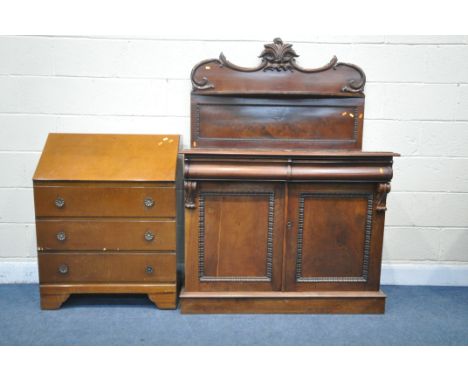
[[110, 267]]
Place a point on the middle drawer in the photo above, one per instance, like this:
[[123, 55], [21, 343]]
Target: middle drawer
[[101, 235]]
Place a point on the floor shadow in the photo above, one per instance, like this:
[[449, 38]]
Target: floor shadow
[[107, 300]]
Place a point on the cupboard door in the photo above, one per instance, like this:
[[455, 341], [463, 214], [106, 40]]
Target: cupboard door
[[234, 237], [334, 237]]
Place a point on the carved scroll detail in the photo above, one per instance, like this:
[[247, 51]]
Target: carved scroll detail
[[190, 188], [225, 62], [353, 85], [277, 57], [331, 64], [204, 83], [382, 190]]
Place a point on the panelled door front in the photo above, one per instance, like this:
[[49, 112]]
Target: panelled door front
[[332, 237], [234, 237]]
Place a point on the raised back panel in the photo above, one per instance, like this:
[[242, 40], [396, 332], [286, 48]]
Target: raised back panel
[[277, 104], [222, 121]]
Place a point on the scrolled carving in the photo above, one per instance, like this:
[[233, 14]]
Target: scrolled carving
[[330, 65], [226, 63], [278, 57], [190, 188], [203, 83], [353, 85], [382, 190]]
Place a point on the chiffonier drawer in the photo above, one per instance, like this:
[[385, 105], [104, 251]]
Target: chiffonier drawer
[[105, 235], [110, 267], [90, 201]]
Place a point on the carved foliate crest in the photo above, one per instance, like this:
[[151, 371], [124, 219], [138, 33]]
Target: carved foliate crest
[[278, 56]]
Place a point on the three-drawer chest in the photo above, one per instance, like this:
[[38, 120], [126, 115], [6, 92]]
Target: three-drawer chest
[[106, 216]]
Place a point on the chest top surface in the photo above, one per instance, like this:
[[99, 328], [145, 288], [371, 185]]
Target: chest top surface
[[108, 157]]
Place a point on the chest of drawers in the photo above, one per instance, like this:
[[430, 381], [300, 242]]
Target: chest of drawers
[[106, 216]]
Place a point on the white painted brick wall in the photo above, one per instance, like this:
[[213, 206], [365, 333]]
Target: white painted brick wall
[[417, 104]]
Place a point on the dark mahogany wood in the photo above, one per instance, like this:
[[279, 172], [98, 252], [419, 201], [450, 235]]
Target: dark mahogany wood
[[278, 73], [332, 229], [106, 216], [280, 122], [284, 302], [289, 168], [238, 242], [284, 211]]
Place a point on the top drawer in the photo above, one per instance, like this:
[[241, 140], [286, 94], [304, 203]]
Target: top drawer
[[104, 201]]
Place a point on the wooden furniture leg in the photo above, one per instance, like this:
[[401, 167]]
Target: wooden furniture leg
[[164, 300], [53, 301]]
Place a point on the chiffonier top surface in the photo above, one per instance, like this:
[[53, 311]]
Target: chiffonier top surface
[[289, 153], [108, 157]]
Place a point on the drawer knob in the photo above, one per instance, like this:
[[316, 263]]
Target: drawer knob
[[149, 270], [63, 269], [61, 236], [59, 202], [149, 236], [149, 202]]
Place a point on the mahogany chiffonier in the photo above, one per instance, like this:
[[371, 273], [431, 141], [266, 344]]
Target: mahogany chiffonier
[[284, 211], [106, 216]]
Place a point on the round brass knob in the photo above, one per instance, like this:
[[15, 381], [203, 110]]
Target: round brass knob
[[63, 269], [61, 236], [149, 270], [59, 202], [149, 236], [149, 202]]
